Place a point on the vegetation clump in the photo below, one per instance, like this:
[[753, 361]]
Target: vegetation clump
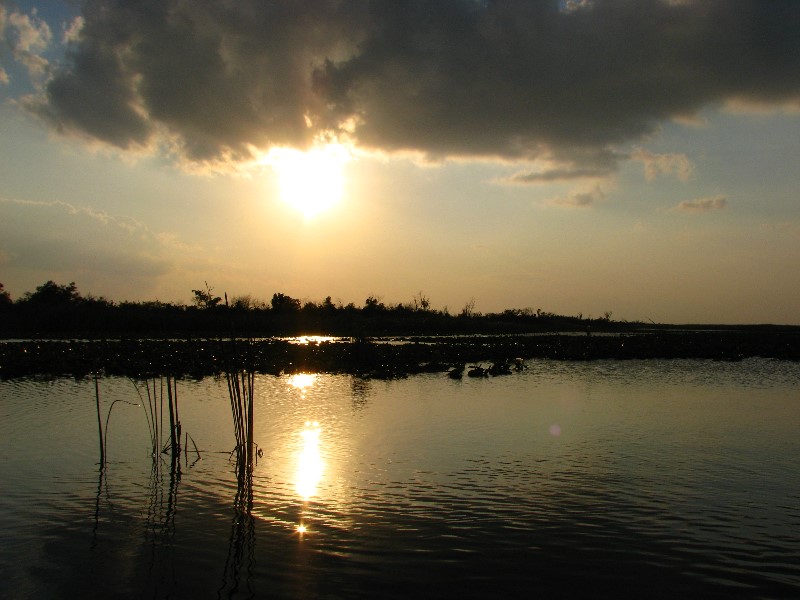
[[63, 333], [60, 311]]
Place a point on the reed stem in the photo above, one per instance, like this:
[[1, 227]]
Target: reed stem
[[241, 388], [99, 423]]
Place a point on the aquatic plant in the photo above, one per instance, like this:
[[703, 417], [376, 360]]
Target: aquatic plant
[[241, 547], [241, 391], [103, 433], [99, 424], [153, 411], [153, 408], [241, 384], [154, 415], [174, 420]]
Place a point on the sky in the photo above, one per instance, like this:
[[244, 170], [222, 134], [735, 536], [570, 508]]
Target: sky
[[583, 157]]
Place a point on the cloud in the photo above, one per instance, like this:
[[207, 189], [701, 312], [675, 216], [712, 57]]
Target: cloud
[[27, 36], [581, 165], [559, 174], [678, 165], [579, 198], [71, 238], [216, 81], [702, 204], [740, 106], [103, 218], [72, 30], [207, 81]]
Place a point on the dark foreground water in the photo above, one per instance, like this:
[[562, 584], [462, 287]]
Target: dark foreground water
[[629, 479]]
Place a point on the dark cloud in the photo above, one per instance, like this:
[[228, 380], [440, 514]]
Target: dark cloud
[[214, 77], [505, 78]]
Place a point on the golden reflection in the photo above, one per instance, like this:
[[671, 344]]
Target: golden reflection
[[306, 340], [301, 381], [309, 463]]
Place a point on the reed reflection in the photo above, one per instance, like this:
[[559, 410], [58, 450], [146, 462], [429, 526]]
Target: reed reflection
[[360, 390], [241, 559]]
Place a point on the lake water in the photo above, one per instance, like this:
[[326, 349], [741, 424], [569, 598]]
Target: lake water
[[636, 479]]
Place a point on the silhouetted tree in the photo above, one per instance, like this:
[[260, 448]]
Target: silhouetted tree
[[206, 298], [422, 302], [469, 308], [5, 297], [284, 304], [373, 304], [51, 293], [244, 302], [62, 310]]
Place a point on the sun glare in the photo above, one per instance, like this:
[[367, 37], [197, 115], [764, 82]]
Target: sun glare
[[311, 181]]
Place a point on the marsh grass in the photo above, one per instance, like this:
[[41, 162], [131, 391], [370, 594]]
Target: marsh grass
[[241, 385], [103, 431], [100, 423], [241, 391], [239, 562], [159, 401], [153, 412], [174, 418], [158, 391]]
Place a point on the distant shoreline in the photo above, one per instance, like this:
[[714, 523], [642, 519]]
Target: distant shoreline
[[381, 357]]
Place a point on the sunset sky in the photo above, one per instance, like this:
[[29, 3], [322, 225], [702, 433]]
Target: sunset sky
[[634, 156]]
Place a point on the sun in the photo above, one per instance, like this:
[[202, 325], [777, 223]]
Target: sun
[[311, 181]]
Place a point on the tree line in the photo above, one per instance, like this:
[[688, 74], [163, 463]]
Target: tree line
[[60, 310]]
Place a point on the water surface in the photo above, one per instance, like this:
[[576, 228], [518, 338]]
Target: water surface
[[608, 478]]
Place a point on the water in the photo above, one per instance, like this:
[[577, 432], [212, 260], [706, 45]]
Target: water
[[655, 479]]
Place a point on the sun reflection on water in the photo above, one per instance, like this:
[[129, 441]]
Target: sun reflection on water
[[310, 466], [302, 381], [308, 340], [309, 462]]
